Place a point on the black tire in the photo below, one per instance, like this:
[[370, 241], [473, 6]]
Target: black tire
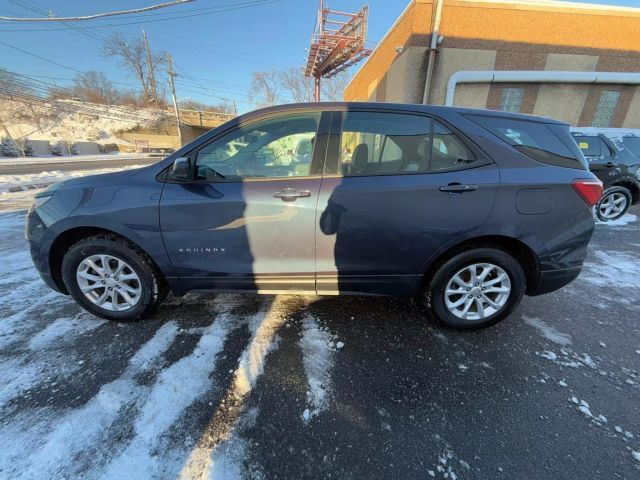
[[435, 291], [152, 284], [607, 193]]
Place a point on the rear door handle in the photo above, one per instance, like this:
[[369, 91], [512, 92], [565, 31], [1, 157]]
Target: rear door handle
[[291, 194], [609, 164], [458, 188]]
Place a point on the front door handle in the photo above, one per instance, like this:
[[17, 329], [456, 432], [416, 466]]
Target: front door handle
[[458, 188], [291, 194], [609, 164]]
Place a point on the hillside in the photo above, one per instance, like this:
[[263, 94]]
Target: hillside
[[75, 121]]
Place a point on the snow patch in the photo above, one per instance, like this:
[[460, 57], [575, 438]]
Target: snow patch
[[63, 328], [175, 389], [14, 183], [317, 356], [548, 331], [624, 220], [84, 426], [612, 269], [264, 327]]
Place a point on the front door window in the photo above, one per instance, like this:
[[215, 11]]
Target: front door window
[[278, 147]]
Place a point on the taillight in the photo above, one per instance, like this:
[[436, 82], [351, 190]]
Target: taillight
[[590, 190]]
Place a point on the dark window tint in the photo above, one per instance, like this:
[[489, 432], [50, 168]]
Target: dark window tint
[[448, 150], [633, 144], [534, 139], [394, 143], [591, 146]]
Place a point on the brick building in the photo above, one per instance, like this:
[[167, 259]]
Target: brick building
[[572, 61]]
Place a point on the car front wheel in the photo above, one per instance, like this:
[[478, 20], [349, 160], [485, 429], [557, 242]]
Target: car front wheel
[[614, 203], [476, 288], [112, 279]]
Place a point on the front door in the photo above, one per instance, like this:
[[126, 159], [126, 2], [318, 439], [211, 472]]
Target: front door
[[398, 187], [246, 221]]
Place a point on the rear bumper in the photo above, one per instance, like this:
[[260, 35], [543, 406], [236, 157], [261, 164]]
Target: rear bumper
[[552, 280]]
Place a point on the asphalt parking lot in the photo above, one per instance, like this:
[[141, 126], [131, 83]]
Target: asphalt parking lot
[[233, 386]]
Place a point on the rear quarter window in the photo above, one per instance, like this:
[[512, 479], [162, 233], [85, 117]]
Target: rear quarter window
[[632, 144], [546, 143]]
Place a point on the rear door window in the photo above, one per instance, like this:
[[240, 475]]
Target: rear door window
[[376, 143], [537, 140]]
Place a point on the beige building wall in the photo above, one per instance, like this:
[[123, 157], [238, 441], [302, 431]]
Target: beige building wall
[[405, 78], [451, 60], [632, 120], [562, 101]]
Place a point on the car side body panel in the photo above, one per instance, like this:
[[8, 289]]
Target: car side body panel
[[390, 246]]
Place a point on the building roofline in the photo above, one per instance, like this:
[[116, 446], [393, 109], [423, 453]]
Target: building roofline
[[534, 5], [548, 4], [382, 40]]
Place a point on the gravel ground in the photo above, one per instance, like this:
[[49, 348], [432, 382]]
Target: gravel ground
[[234, 386]]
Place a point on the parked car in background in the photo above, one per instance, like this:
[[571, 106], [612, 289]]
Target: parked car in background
[[614, 157], [465, 209]]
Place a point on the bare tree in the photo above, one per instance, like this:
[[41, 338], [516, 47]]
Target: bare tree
[[264, 88], [299, 87], [95, 87], [333, 87], [132, 55]]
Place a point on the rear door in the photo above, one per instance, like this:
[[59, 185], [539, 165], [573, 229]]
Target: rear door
[[246, 221], [397, 188]]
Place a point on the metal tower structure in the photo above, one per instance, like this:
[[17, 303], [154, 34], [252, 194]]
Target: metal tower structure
[[338, 42]]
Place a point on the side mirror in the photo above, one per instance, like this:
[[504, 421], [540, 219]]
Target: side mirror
[[181, 169]]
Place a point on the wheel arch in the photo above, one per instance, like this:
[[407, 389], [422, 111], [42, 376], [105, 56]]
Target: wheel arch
[[516, 248], [630, 185], [67, 238]]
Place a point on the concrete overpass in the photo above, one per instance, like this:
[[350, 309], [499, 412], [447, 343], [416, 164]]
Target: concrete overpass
[[194, 123]]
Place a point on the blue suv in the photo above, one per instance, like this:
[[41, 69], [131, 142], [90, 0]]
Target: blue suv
[[465, 209]]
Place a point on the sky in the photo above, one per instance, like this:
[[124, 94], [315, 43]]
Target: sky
[[216, 45]]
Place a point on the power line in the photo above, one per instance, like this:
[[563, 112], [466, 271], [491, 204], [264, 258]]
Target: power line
[[97, 15], [81, 31], [47, 60], [239, 6]]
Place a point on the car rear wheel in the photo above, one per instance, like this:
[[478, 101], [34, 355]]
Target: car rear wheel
[[476, 288], [614, 203], [112, 279]]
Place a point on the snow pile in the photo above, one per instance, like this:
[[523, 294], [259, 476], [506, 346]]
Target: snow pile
[[317, 355]]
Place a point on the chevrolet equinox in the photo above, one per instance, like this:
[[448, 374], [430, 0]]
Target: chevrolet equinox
[[466, 209]]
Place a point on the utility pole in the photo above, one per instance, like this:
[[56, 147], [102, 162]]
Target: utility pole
[[152, 77], [235, 106], [172, 84]]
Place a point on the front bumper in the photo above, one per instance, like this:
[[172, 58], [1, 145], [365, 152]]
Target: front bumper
[[552, 280]]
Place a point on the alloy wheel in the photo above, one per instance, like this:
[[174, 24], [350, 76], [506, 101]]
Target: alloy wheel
[[109, 282], [612, 206], [477, 291]]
